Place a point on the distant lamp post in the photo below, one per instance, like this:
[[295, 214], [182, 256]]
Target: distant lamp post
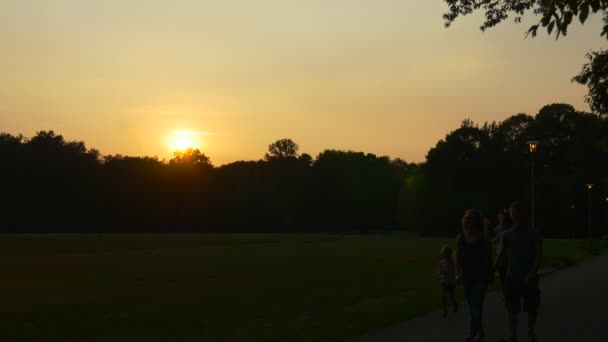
[[573, 221], [589, 189], [532, 145], [605, 237]]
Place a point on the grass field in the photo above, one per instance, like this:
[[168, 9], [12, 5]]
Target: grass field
[[219, 287]]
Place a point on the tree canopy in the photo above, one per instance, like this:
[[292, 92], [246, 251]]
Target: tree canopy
[[595, 76], [282, 148], [190, 156], [487, 166], [555, 15]]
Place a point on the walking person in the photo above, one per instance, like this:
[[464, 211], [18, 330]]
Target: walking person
[[522, 248], [474, 267], [504, 224], [447, 276]]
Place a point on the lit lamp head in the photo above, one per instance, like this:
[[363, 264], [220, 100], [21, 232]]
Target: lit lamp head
[[532, 145], [589, 186]]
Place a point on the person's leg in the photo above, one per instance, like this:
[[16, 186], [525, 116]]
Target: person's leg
[[453, 298], [477, 296], [483, 288], [513, 305], [531, 304], [468, 293]]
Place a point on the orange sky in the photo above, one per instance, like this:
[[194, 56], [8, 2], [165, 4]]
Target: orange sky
[[379, 76]]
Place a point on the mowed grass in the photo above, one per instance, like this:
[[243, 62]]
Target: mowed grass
[[219, 287]]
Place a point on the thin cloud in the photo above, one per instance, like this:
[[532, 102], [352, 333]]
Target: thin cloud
[[157, 112], [195, 133]]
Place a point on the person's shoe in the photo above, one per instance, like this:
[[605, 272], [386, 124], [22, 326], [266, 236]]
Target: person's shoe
[[444, 314], [469, 339], [455, 307], [532, 337]]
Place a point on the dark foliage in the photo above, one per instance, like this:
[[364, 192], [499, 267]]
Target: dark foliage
[[555, 15], [595, 76], [53, 185], [489, 166]]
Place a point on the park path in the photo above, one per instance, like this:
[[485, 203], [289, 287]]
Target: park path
[[574, 308]]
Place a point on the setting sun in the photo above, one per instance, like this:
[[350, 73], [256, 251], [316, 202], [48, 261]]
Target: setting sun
[[181, 142]]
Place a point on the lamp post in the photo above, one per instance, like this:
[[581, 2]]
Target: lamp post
[[532, 145], [605, 237], [589, 189], [573, 221]]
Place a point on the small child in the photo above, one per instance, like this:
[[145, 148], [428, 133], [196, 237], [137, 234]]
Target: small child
[[447, 275]]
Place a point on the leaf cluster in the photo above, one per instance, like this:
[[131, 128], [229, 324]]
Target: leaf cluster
[[555, 15]]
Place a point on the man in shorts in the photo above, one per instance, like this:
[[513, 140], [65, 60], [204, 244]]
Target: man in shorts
[[522, 248]]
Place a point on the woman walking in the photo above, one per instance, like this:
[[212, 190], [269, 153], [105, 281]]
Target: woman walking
[[474, 267]]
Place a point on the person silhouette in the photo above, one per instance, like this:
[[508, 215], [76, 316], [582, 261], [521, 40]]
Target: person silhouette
[[447, 276], [521, 246], [474, 267]]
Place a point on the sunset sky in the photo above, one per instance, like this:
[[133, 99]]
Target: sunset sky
[[379, 76]]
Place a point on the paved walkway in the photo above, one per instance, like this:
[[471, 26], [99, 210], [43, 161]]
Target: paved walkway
[[574, 308]]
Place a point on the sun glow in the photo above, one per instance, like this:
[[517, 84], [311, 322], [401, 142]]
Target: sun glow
[[183, 142]]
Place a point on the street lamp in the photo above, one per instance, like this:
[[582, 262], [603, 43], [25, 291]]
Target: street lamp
[[589, 189], [532, 145]]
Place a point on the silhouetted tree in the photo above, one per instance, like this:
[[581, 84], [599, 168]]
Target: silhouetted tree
[[135, 193], [463, 153], [357, 190], [306, 159], [190, 156], [510, 133], [9, 144], [555, 15], [51, 180], [12, 197], [595, 76], [283, 148], [489, 166]]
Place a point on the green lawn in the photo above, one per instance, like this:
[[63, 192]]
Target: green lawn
[[219, 287]]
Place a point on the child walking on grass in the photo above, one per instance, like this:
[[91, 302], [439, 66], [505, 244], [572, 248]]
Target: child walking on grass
[[447, 275]]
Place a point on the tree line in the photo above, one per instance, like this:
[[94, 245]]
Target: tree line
[[54, 185]]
